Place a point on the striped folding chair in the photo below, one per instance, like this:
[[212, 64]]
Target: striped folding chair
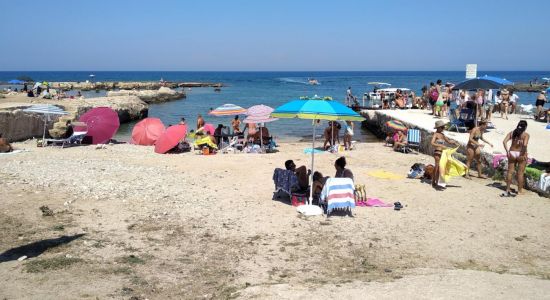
[[413, 139]]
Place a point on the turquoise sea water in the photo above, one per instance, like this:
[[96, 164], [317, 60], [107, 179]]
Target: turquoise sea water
[[269, 88]]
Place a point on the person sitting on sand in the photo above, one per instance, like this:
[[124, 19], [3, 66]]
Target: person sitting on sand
[[236, 124], [263, 134], [341, 171], [517, 155], [474, 148], [219, 134], [301, 174], [318, 183], [69, 130], [4, 145], [438, 143], [401, 140]]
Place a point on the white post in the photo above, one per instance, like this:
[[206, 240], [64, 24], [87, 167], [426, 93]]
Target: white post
[[312, 165]]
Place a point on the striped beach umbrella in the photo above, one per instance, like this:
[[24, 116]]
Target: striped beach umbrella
[[396, 125], [228, 110], [47, 110]]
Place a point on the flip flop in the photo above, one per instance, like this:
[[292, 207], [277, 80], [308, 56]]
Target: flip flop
[[506, 195]]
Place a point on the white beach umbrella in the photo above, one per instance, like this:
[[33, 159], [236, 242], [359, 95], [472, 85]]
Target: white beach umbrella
[[47, 110]]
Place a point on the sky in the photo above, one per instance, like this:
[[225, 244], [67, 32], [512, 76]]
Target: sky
[[274, 35]]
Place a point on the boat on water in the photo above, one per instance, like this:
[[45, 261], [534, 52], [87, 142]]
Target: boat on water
[[313, 81], [375, 97]]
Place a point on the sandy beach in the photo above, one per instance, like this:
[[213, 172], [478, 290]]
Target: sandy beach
[[147, 226]]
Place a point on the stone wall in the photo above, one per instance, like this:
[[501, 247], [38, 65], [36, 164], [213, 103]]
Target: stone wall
[[15, 125]]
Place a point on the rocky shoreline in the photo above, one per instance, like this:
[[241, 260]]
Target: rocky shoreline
[[129, 85], [527, 87]]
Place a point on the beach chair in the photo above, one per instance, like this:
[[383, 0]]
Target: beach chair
[[456, 122], [338, 194], [76, 139], [413, 140]]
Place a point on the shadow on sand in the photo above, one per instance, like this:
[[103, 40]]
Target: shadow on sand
[[36, 248]]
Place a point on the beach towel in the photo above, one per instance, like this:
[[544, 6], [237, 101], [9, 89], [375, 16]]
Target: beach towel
[[316, 151], [450, 166], [385, 175], [205, 141], [284, 180], [337, 193], [544, 182], [13, 152], [375, 202], [497, 158]]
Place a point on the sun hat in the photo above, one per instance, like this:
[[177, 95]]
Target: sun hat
[[439, 124], [504, 92]]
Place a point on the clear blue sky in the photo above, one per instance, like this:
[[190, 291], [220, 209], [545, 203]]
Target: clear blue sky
[[274, 35]]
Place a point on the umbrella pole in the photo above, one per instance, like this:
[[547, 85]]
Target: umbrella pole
[[261, 138], [44, 132], [312, 166]]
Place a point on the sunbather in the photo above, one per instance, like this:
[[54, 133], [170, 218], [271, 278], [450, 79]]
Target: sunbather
[[4, 145], [301, 173], [401, 140], [341, 171]]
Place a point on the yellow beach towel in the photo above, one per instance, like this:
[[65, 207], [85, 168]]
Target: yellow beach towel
[[205, 141], [450, 166], [385, 175]]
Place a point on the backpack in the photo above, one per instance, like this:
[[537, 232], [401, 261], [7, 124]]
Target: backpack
[[434, 95]]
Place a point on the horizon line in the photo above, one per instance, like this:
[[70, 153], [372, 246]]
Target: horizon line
[[260, 71]]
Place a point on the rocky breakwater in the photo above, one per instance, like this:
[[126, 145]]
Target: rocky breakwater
[[127, 85], [16, 125], [128, 108], [163, 94]]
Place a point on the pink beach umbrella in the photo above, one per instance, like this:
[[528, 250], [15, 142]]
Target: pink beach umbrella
[[259, 110], [147, 131], [101, 124], [170, 138]]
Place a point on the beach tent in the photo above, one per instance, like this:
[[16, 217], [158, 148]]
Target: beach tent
[[47, 110], [315, 110], [484, 82]]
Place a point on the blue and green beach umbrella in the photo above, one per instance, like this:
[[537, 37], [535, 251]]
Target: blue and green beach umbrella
[[315, 110]]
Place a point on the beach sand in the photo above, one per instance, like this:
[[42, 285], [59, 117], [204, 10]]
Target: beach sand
[[191, 226]]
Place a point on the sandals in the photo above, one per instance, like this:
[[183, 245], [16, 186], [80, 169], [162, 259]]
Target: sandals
[[507, 194], [397, 206]]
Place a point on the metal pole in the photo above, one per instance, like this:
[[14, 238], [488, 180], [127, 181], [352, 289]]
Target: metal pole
[[312, 166]]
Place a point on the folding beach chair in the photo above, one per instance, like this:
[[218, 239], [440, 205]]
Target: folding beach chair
[[76, 139], [456, 122], [338, 194], [413, 140]]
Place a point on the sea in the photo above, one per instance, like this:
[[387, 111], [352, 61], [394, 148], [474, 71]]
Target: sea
[[269, 88]]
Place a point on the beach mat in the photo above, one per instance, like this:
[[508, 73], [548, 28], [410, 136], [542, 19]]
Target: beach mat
[[381, 174], [14, 152], [316, 151]]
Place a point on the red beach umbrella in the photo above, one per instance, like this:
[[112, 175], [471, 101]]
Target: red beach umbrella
[[147, 131], [101, 123], [170, 138]]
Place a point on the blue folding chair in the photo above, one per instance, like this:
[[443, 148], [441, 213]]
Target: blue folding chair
[[413, 140]]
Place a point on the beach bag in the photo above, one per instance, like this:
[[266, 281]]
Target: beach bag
[[434, 95]]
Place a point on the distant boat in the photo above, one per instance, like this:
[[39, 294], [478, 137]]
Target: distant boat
[[92, 75], [313, 81]]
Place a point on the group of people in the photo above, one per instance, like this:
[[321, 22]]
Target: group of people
[[318, 180], [515, 144], [254, 133], [332, 135]]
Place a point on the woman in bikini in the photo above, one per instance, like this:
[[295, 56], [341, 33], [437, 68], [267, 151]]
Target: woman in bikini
[[438, 142], [517, 155], [505, 102], [474, 148]]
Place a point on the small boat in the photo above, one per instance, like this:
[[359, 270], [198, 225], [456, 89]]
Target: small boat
[[375, 96], [217, 89], [313, 81]]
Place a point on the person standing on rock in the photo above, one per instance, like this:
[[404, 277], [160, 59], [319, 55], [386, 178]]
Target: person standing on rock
[[200, 121]]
